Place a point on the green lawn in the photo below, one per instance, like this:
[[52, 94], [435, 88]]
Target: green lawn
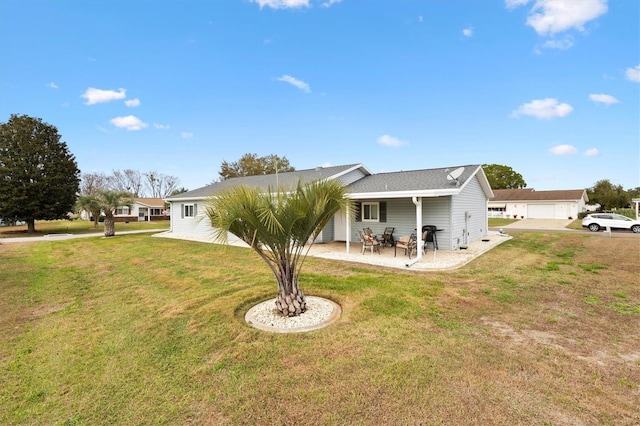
[[45, 227], [138, 330]]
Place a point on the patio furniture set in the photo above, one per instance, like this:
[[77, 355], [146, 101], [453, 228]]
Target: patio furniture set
[[408, 242]]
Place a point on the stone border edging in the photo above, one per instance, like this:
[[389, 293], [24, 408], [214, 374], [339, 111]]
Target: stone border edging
[[335, 315]]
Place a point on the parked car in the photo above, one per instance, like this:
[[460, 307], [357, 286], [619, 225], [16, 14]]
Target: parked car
[[597, 221]]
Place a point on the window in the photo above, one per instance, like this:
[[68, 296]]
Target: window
[[121, 211], [188, 210], [370, 212], [156, 212]]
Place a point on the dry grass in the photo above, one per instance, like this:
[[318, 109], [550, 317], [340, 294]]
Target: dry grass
[[542, 330]]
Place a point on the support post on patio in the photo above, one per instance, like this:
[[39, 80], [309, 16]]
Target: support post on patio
[[417, 201], [348, 225]]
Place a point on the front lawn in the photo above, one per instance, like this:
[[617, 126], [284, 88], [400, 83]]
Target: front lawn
[[44, 227], [133, 329]]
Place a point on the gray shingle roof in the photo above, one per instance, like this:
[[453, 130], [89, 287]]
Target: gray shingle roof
[[529, 194], [412, 180], [287, 180]]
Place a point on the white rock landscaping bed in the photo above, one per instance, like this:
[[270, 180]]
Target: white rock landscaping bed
[[320, 313]]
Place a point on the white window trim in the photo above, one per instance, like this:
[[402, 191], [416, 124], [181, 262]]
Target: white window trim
[[377, 205], [186, 207]]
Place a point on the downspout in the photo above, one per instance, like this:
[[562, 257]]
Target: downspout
[[417, 201]]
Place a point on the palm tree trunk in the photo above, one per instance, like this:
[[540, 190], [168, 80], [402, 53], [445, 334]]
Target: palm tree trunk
[[109, 226], [291, 303]]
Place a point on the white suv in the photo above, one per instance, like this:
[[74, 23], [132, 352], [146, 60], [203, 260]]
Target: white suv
[[596, 221]]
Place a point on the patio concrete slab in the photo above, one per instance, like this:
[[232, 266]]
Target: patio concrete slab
[[430, 261]]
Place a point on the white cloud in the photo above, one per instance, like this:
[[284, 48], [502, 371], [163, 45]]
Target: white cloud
[[130, 122], [593, 152], [330, 3], [97, 96], [186, 135], [295, 82], [633, 74], [387, 140], [161, 126], [52, 85], [282, 4], [563, 150], [543, 109], [604, 99], [467, 32], [420, 19], [548, 17], [132, 102], [560, 44], [515, 3]]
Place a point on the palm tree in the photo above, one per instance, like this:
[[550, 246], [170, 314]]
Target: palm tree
[[109, 201], [89, 203], [278, 226]]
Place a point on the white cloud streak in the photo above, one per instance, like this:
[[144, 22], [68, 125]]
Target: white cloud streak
[[52, 85], [130, 122], [603, 99], [467, 32], [563, 150], [282, 4], [559, 44], [295, 82], [186, 135], [98, 96], [161, 126], [330, 3], [387, 140], [593, 152], [132, 102], [548, 17], [543, 109], [633, 74]]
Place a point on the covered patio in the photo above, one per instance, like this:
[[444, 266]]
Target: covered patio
[[390, 257]]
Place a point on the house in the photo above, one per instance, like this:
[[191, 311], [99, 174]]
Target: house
[[528, 203], [455, 202], [143, 210]]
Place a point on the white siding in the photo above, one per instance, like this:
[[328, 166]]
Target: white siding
[[351, 177], [474, 201]]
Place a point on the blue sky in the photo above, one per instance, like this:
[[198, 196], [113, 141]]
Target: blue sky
[[550, 88]]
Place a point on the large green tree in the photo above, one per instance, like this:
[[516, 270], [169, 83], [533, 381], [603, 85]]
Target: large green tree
[[608, 195], [503, 177], [251, 165], [38, 175], [280, 225]]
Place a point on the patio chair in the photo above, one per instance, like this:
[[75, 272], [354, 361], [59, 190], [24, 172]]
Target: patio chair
[[369, 241], [369, 233], [408, 243], [387, 236]]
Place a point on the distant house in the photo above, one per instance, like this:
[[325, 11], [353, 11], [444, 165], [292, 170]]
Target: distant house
[[143, 210], [531, 204], [456, 204]]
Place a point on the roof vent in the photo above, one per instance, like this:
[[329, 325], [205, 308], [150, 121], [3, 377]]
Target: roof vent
[[319, 168]]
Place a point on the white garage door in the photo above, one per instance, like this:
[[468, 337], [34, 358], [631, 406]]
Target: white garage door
[[541, 211]]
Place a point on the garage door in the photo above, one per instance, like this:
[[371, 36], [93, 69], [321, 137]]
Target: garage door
[[541, 211]]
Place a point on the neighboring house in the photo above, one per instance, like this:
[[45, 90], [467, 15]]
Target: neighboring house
[[404, 200], [531, 204], [143, 210]]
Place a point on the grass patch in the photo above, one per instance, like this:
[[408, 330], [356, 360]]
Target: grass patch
[[76, 227], [123, 331], [495, 222]]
